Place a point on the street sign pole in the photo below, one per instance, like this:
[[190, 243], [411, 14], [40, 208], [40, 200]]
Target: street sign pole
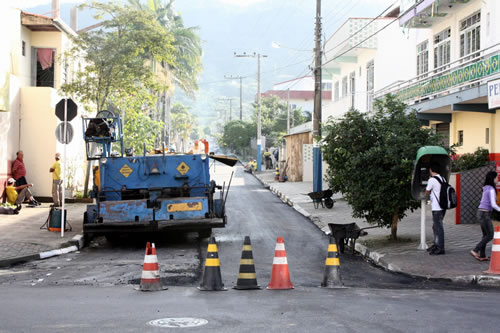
[[64, 164]]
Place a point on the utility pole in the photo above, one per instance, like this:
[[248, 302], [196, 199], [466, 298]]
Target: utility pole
[[259, 114], [288, 112], [317, 172], [230, 99], [230, 77]]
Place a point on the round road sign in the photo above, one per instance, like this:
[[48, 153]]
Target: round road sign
[[60, 133]]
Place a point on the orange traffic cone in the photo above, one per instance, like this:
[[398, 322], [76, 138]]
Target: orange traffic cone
[[495, 254], [280, 276], [150, 279]]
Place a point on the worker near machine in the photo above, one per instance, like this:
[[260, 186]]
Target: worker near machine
[[55, 169], [267, 159], [16, 195]]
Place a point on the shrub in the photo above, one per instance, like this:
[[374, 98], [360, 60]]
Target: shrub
[[469, 161]]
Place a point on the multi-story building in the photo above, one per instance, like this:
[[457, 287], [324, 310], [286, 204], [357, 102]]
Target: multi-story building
[[300, 92], [456, 53], [437, 56], [32, 69]]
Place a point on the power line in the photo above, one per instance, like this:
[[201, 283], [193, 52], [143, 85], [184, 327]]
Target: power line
[[362, 28], [364, 40]]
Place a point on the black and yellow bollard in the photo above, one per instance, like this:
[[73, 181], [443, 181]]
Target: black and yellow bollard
[[332, 267], [212, 279], [277, 174], [247, 277]]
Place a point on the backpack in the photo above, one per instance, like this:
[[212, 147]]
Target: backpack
[[447, 195]]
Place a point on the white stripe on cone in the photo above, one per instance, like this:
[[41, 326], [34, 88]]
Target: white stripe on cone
[[280, 247], [150, 275], [150, 259], [496, 235], [280, 261], [495, 248]]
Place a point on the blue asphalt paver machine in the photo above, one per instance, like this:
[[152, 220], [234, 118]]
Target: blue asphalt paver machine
[[151, 192]]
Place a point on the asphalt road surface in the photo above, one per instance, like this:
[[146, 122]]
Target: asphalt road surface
[[93, 290]]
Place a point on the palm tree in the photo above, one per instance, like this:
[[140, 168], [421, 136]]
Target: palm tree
[[187, 64]]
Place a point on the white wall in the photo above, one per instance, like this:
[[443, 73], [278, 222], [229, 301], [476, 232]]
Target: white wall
[[9, 120]]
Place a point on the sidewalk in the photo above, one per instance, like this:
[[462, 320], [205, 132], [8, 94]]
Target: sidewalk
[[401, 256], [21, 238]]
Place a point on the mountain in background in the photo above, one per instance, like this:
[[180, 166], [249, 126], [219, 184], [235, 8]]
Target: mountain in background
[[227, 28]]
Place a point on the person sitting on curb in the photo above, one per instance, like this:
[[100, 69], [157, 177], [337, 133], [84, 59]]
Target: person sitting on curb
[[251, 166], [16, 195], [8, 209]]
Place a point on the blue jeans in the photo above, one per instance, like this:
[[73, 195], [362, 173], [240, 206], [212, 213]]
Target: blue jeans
[[487, 229], [437, 228]]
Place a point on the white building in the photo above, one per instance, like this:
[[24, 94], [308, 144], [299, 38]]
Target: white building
[[300, 92], [359, 64], [32, 68], [455, 52], [437, 56]]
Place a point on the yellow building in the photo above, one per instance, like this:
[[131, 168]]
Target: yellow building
[[32, 69]]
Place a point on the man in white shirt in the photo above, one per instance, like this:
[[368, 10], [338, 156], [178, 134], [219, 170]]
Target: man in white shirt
[[433, 189]]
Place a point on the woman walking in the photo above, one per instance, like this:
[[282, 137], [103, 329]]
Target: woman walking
[[488, 203]]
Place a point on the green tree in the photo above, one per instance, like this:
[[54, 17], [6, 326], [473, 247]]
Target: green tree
[[370, 158], [237, 135], [186, 42], [183, 123], [207, 131], [274, 117], [116, 55]]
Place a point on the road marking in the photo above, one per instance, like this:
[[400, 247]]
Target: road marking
[[178, 322]]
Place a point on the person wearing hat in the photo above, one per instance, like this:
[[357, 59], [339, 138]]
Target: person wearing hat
[[55, 169], [16, 195]]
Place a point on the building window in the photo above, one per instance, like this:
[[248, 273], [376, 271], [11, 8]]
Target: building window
[[344, 86], [370, 83], [422, 58], [326, 86], [42, 67], [293, 106], [460, 138], [352, 87], [442, 46], [470, 35], [487, 136], [23, 48], [336, 91]]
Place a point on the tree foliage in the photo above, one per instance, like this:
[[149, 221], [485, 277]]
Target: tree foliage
[[274, 117], [237, 135], [116, 55], [186, 42], [183, 125], [371, 157]]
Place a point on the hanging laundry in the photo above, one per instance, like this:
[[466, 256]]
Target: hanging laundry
[[45, 57]]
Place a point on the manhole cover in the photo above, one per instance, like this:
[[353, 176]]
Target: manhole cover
[[178, 322]]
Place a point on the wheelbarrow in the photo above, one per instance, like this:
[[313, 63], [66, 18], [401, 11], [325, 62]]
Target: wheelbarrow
[[343, 233], [322, 196]]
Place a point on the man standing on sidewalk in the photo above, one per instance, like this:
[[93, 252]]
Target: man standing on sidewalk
[[433, 189], [56, 182]]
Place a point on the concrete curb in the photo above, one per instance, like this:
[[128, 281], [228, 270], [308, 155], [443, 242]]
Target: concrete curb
[[73, 245], [378, 258]]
